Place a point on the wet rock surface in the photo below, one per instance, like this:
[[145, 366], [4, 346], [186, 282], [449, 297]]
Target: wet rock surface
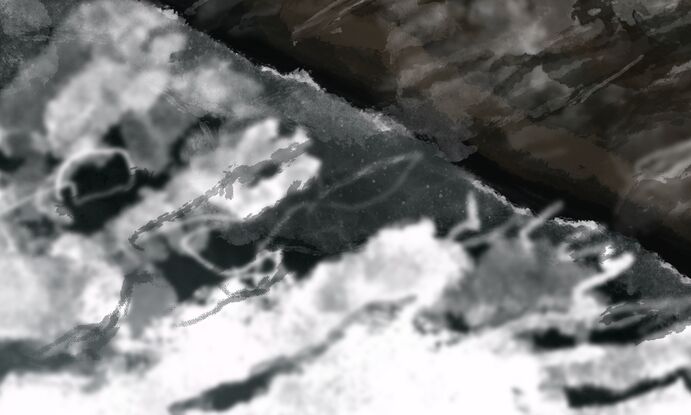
[[184, 231], [580, 99]]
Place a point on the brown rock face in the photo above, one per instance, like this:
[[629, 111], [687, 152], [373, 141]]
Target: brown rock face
[[586, 98]]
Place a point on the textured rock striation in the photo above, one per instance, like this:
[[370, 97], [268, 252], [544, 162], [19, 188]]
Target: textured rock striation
[[583, 99], [183, 231]]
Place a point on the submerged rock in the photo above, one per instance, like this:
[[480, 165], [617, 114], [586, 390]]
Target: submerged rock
[[269, 248], [583, 99]]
